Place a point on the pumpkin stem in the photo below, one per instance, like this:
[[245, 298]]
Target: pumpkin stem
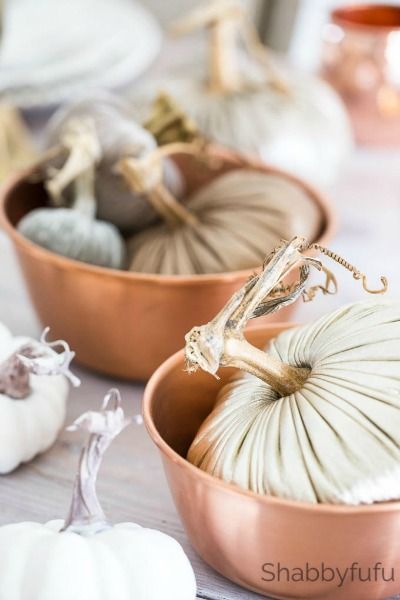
[[145, 176], [38, 359], [86, 517], [84, 193], [228, 26], [222, 343], [83, 149], [168, 123]]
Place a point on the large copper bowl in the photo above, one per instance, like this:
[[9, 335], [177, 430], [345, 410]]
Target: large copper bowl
[[361, 60], [119, 323], [239, 533]]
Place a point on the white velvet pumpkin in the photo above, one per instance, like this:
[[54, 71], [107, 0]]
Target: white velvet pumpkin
[[316, 416], [29, 425], [240, 215], [85, 557], [119, 136]]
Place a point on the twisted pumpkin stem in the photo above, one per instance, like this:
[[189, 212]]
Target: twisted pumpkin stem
[[37, 359], [145, 176], [86, 516], [80, 142], [228, 25], [221, 342]]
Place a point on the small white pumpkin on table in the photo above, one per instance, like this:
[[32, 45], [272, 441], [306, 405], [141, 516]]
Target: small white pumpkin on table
[[33, 396], [315, 416], [85, 557]]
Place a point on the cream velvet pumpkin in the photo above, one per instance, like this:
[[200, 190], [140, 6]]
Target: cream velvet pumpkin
[[249, 102], [85, 557], [316, 418], [28, 425]]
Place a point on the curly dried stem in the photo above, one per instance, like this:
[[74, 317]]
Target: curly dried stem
[[222, 343], [37, 359], [86, 516]]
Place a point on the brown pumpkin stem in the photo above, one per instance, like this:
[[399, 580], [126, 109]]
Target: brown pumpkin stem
[[145, 176], [15, 375], [37, 359], [168, 123], [86, 517]]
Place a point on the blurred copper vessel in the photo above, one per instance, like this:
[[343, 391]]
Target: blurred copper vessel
[[120, 323], [237, 532], [361, 59]]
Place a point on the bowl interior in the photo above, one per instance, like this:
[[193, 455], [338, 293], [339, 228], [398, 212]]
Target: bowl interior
[[180, 402]]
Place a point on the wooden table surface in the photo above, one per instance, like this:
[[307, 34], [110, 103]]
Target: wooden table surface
[[132, 486]]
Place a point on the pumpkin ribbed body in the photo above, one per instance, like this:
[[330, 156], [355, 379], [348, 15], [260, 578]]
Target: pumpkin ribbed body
[[126, 562], [29, 426], [241, 216], [75, 235], [335, 440], [305, 131]]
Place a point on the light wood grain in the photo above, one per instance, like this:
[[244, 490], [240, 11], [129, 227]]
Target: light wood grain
[[132, 485]]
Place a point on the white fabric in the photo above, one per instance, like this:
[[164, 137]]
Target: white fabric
[[54, 49]]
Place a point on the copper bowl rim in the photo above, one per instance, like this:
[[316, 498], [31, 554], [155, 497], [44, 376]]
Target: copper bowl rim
[[328, 228], [172, 456], [339, 17]]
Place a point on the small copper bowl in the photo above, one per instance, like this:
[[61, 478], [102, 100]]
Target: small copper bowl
[[361, 59], [120, 323], [245, 536]]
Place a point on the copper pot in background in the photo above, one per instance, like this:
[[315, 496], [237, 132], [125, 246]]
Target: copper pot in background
[[243, 535], [121, 323], [361, 59]]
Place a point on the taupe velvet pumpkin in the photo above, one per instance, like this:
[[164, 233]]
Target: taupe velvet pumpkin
[[224, 226]]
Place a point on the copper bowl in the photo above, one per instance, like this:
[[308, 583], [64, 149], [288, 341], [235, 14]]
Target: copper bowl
[[120, 323], [237, 532], [361, 60]]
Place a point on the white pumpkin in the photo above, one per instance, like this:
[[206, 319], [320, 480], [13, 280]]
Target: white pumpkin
[[316, 418], [33, 396], [86, 558], [292, 120]]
